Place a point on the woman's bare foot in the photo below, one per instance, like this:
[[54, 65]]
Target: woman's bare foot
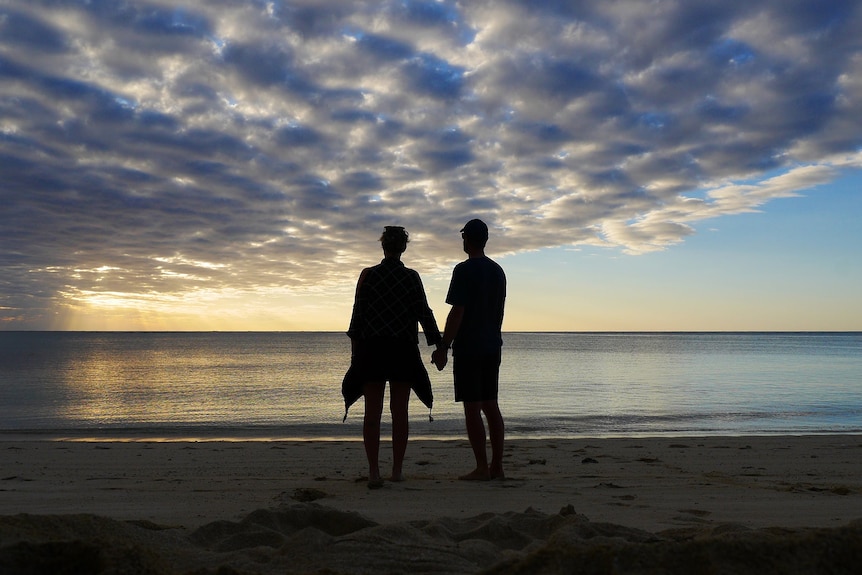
[[397, 477], [476, 475], [374, 479]]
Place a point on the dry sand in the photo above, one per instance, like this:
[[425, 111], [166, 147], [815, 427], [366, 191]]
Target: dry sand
[[652, 505]]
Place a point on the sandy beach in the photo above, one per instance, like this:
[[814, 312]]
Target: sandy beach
[[774, 504]]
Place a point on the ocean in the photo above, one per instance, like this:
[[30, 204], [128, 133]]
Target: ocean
[[272, 386]]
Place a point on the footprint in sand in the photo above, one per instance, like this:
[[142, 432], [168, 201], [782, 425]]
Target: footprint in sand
[[307, 494], [695, 512]]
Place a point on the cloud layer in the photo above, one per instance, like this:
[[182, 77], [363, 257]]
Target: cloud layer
[[152, 151]]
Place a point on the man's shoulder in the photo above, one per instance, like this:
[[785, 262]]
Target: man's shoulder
[[495, 264], [483, 262]]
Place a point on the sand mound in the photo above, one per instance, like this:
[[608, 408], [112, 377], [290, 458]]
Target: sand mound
[[311, 538]]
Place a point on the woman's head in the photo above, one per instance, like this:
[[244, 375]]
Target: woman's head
[[394, 240]]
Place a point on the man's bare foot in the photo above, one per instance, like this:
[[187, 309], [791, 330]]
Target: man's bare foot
[[497, 473], [397, 477], [476, 475]]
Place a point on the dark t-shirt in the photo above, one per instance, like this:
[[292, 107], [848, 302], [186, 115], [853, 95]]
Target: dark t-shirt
[[478, 284]]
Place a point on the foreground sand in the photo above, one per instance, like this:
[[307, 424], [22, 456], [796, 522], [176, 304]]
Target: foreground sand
[[603, 505]]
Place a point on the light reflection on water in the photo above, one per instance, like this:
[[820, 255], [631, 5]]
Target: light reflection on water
[[288, 384], [248, 379]]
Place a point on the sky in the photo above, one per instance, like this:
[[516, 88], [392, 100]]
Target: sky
[[230, 165]]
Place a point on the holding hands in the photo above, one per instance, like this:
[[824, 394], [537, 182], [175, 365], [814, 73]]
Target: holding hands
[[440, 356]]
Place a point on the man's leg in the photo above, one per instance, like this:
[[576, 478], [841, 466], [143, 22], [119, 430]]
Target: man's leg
[[371, 428], [476, 435], [399, 398], [496, 431]]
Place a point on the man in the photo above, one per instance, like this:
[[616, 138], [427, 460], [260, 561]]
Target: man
[[477, 294]]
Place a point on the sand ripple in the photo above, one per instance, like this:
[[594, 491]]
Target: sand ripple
[[313, 538]]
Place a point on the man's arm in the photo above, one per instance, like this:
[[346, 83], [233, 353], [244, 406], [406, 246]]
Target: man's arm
[[440, 356], [453, 323]]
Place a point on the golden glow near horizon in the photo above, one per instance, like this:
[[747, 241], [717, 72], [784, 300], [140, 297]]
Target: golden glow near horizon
[[206, 310], [550, 296]]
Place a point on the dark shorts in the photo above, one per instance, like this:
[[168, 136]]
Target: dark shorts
[[476, 376], [388, 360]]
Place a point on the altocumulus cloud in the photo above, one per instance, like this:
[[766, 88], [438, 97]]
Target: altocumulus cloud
[[150, 150]]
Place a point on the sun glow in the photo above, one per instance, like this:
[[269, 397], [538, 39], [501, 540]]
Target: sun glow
[[261, 309]]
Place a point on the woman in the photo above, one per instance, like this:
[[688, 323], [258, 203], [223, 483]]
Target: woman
[[390, 301]]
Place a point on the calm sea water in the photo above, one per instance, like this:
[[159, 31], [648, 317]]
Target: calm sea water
[[287, 385]]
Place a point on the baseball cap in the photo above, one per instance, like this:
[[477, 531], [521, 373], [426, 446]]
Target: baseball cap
[[475, 230]]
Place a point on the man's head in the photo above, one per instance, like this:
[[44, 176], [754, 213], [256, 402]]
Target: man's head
[[394, 240], [476, 232]]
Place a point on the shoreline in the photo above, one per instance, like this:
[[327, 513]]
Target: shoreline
[[134, 435], [234, 496]]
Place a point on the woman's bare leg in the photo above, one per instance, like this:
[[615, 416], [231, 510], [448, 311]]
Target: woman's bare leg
[[399, 398], [373, 393]]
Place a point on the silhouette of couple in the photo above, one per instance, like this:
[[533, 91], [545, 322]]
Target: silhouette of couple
[[390, 301]]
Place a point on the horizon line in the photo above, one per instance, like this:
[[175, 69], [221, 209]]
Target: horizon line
[[690, 331]]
